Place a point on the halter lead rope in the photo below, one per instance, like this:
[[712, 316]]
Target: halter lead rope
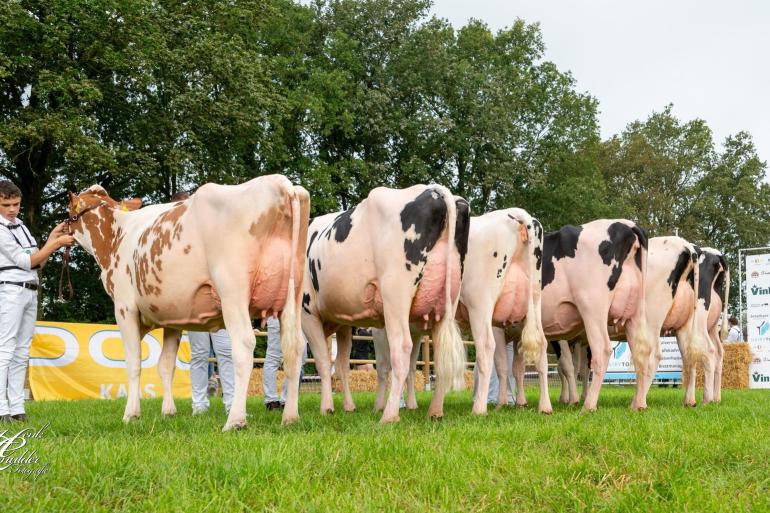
[[66, 256]]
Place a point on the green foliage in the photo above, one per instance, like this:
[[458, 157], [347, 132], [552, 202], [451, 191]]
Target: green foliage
[[151, 97], [668, 458], [670, 177]]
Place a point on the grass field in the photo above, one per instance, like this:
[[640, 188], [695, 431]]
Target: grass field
[[712, 458]]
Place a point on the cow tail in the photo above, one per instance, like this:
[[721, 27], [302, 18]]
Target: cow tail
[[532, 336], [450, 351], [291, 337], [698, 348], [643, 338], [724, 328]]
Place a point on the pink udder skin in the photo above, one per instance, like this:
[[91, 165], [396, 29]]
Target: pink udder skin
[[511, 305], [430, 297], [625, 302], [680, 310], [271, 278]]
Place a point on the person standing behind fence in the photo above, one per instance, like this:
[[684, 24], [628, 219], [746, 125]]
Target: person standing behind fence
[[734, 335], [201, 345], [19, 260], [273, 357]]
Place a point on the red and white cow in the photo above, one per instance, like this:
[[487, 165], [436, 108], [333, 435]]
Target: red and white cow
[[500, 287], [221, 257], [594, 275], [394, 258]]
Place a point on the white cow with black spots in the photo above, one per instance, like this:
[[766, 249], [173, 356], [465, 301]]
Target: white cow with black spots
[[393, 259]]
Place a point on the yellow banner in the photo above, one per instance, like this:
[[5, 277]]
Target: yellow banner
[[87, 361]]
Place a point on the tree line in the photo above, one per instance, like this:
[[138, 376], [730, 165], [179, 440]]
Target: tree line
[[152, 97]]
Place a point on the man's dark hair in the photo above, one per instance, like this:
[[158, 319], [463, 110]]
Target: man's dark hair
[[179, 196], [733, 321], [9, 190]]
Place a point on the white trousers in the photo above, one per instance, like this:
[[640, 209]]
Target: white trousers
[[273, 357], [18, 313], [201, 343]]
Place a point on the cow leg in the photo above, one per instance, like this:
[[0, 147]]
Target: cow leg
[[132, 333], [599, 342], [400, 342], [688, 367], [567, 372], [581, 351], [518, 373], [382, 355], [481, 327], [166, 367], [238, 324], [344, 344], [544, 403], [653, 361], [314, 333], [562, 366], [720, 356], [643, 376], [411, 399], [709, 371]]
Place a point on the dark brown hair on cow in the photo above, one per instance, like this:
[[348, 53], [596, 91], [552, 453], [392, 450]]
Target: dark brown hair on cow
[[9, 190]]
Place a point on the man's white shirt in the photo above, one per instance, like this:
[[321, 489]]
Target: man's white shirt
[[16, 248]]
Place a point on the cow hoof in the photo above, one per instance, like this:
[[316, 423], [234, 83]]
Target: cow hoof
[[235, 426], [587, 411], [288, 420], [690, 405], [169, 413], [436, 418], [129, 418], [327, 411], [350, 410], [479, 410], [391, 420], [521, 405], [546, 412]]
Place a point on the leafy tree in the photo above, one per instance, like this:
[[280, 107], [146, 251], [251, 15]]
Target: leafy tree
[[670, 177]]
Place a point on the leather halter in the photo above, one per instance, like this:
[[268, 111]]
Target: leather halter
[[66, 256]]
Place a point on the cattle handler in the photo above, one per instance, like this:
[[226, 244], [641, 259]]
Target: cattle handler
[[20, 258]]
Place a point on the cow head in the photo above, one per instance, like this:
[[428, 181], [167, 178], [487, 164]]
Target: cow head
[[92, 220], [96, 196]]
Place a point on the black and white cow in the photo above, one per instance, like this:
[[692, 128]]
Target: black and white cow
[[594, 275], [393, 259]]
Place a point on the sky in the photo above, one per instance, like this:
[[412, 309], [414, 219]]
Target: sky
[[708, 58]]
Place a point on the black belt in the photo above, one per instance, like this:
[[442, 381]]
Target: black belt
[[24, 284]]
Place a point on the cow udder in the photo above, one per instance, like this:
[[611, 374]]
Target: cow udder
[[512, 302], [430, 297]]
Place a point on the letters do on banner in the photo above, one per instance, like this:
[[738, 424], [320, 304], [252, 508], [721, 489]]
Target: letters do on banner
[[87, 361]]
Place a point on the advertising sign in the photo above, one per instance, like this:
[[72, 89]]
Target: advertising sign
[[87, 361], [758, 318], [621, 366]]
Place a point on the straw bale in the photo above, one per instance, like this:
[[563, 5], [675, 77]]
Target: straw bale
[[735, 368]]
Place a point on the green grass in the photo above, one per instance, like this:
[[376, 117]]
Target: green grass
[[712, 458]]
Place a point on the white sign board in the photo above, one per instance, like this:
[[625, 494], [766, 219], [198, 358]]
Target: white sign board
[[758, 318], [621, 365]]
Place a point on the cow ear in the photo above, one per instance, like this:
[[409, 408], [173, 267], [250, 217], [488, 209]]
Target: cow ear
[[131, 204], [73, 200]]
